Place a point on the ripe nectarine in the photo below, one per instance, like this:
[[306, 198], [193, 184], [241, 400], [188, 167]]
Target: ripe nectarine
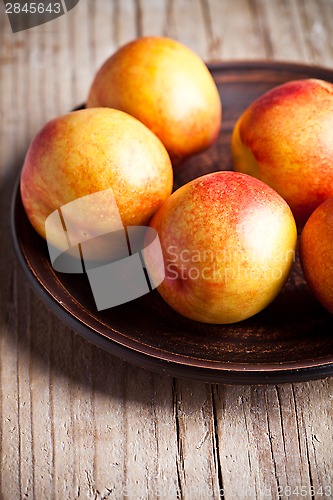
[[285, 138], [316, 252], [228, 243], [88, 151], [167, 87]]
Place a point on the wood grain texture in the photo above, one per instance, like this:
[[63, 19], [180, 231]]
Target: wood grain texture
[[78, 423]]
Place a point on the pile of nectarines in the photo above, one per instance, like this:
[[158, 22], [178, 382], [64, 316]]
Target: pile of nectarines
[[228, 239]]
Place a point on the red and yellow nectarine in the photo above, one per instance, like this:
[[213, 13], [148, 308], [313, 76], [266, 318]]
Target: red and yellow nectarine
[[316, 252], [228, 243], [167, 87], [88, 151], [285, 138]]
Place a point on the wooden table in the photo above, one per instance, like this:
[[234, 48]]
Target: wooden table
[[77, 422]]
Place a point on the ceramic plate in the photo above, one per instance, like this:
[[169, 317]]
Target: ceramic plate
[[291, 340]]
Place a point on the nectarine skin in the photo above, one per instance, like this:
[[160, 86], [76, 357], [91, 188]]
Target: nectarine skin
[[88, 151], [316, 252], [167, 87], [285, 138], [228, 243]]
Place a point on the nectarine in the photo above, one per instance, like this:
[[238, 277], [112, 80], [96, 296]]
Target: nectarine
[[89, 151], [228, 243], [285, 138], [316, 252], [167, 87]]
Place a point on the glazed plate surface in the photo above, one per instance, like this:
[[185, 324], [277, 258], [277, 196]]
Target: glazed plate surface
[[291, 340]]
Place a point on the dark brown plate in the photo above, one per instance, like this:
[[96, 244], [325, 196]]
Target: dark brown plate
[[291, 340]]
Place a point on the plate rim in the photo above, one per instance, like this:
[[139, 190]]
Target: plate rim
[[233, 373]]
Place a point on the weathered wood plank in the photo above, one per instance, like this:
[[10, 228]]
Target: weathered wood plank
[[126, 26], [197, 460], [286, 36], [235, 36], [314, 402], [62, 418], [315, 33], [187, 17], [153, 17]]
